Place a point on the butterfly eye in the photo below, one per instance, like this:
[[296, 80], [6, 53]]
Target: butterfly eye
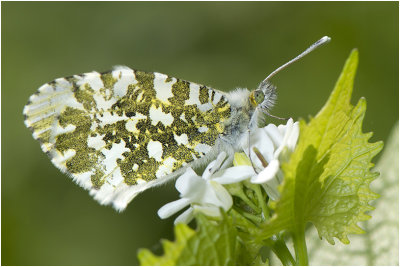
[[256, 97]]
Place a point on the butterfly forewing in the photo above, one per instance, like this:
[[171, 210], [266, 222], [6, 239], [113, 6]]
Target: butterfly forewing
[[120, 132]]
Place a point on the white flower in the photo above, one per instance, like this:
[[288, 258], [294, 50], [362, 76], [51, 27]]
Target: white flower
[[206, 193], [270, 142]]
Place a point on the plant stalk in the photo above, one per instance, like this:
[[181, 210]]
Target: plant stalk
[[300, 247]]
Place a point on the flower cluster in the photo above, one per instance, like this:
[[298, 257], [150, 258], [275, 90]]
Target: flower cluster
[[265, 147]]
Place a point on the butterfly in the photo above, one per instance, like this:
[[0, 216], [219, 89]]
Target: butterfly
[[121, 132]]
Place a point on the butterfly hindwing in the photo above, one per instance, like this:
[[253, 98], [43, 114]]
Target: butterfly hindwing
[[120, 132]]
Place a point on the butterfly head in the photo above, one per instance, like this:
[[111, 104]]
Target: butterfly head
[[264, 96]]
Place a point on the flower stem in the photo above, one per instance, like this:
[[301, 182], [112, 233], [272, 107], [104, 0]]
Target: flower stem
[[249, 203], [261, 201], [300, 247], [243, 223], [254, 218], [280, 249], [237, 190]]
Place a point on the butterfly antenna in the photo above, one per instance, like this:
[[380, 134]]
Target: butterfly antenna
[[314, 46]]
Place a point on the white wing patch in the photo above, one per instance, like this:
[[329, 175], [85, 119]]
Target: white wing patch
[[157, 115], [163, 88], [155, 150]]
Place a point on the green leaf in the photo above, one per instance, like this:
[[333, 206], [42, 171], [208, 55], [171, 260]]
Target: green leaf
[[248, 252], [215, 243], [327, 178], [172, 250], [379, 246]]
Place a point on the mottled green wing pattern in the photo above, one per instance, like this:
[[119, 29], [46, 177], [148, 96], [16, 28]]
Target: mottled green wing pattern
[[120, 132]]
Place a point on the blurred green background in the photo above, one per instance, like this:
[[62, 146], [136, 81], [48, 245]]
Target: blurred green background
[[47, 219]]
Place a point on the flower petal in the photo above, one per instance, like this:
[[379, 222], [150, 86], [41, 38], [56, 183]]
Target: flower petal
[[234, 174], [173, 207], [274, 134], [261, 140], [218, 162], [271, 188], [223, 195], [289, 139], [214, 165], [184, 183], [283, 127], [267, 174], [185, 217], [294, 135], [208, 195], [211, 211]]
